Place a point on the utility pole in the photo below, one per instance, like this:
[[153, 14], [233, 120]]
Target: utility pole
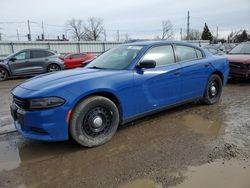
[[118, 35], [181, 33], [188, 36], [17, 33], [43, 27], [42, 31], [217, 33], [0, 34], [29, 35]]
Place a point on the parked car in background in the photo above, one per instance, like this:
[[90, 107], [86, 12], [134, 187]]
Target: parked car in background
[[214, 50], [226, 47], [74, 60], [220, 49], [125, 83], [30, 62], [239, 61]]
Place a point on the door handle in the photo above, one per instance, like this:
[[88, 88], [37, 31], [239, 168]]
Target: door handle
[[177, 73], [206, 65]]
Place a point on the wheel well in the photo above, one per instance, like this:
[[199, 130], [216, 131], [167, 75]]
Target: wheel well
[[6, 70], [220, 75], [108, 95]]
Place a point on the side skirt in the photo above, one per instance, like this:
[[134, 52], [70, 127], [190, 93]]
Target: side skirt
[[159, 110]]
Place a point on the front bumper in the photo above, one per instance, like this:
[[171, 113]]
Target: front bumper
[[46, 125], [239, 70], [235, 73]]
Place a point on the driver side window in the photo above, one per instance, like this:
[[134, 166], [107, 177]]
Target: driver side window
[[162, 55], [21, 56]]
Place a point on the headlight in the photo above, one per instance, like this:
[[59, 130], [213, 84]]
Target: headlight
[[43, 103]]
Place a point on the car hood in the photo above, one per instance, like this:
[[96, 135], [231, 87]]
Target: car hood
[[64, 78], [239, 58]]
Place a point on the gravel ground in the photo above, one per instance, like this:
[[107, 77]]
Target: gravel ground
[[188, 146]]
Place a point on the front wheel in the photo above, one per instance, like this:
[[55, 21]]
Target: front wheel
[[213, 90], [94, 121], [53, 68]]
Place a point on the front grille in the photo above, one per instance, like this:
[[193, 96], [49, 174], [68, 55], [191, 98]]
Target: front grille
[[21, 103], [236, 65]]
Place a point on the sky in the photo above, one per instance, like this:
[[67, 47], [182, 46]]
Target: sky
[[137, 18]]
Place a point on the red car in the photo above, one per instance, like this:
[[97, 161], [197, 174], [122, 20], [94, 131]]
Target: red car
[[74, 60], [239, 61]]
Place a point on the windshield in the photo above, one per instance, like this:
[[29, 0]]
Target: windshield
[[116, 58], [10, 55], [243, 48]]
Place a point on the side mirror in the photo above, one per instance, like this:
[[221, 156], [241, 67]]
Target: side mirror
[[147, 64], [13, 59]]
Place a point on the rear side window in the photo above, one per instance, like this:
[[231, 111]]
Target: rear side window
[[37, 54], [162, 55], [186, 53]]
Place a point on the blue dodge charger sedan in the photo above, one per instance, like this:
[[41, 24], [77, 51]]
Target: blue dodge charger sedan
[[125, 83]]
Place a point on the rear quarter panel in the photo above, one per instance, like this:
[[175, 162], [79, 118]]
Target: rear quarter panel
[[221, 64]]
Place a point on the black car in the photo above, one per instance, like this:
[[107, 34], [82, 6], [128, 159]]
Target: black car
[[30, 62]]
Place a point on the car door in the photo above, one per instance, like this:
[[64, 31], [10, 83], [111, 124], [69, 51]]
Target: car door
[[195, 71], [160, 86], [38, 61], [77, 60], [19, 63]]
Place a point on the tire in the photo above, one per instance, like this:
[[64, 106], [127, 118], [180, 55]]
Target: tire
[[53, 67], [4, 74], [94, 121], [213, 90]]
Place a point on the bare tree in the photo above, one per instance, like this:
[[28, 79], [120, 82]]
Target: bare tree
[[167, 30], [76, 28], [194, 35], [93, 29]]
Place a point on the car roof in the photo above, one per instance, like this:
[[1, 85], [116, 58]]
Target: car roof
[[37, 49], [73, 53], [162, 42]]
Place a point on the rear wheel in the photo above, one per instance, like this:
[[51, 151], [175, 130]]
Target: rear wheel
[[213, 90], [94, 121], [3, 74], [53, 68]]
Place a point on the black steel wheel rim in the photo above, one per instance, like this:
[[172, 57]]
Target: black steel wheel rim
[[213, 89], [3, 74], [97, 121]]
